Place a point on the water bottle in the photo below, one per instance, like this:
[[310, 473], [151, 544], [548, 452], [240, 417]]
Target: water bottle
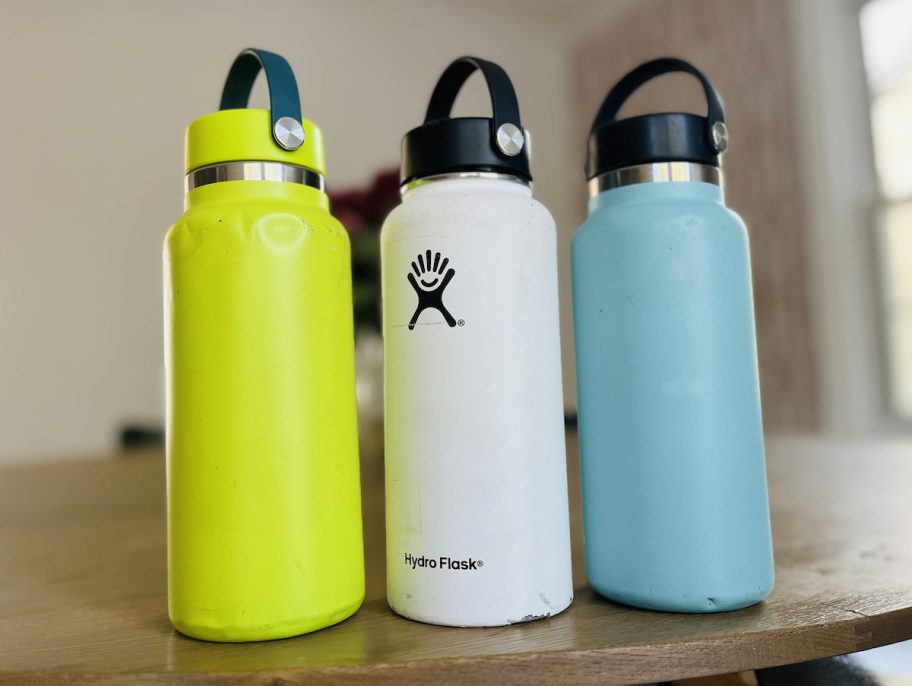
[[264, 513], [476, 485], [671, 440]]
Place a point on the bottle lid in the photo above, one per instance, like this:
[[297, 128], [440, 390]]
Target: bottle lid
[[444, 145], [661, 137], [277, 135]]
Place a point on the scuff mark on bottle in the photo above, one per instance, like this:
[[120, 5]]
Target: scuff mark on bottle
[[528, 618], [545, 600]]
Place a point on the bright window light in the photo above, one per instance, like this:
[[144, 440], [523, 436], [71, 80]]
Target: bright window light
[[886, 31]]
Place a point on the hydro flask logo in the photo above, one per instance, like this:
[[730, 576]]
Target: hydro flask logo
[[430, 277], [442, 562]]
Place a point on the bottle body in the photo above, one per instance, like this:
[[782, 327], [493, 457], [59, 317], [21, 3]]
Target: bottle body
[[477, 517], [264, 514], [675, 505]]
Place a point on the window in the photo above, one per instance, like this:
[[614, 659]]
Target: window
[[887, 44]]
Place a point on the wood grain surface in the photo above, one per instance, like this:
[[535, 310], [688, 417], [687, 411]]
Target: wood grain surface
[[83, 593]]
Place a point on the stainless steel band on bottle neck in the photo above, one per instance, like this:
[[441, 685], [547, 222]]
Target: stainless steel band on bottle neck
[[253, 171], [449, 176], [655, 172]]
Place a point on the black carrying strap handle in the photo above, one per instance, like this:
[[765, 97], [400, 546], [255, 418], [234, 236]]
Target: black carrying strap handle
[[504, 105], [284, 101], [646, 72]]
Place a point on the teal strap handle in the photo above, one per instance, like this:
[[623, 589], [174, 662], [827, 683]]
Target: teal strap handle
[[284, 102]]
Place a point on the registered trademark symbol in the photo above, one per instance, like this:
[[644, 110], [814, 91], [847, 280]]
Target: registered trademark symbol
[[461, 322], [480, 563]]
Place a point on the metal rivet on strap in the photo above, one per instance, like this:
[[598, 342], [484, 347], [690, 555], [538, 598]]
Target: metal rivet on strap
[[719, 136], [510, 139], [289, 133]]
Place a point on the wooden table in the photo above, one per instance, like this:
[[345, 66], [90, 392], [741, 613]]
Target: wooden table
[[82, 590]]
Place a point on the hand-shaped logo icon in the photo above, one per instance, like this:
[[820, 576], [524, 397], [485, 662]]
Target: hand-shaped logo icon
[[429, 280]]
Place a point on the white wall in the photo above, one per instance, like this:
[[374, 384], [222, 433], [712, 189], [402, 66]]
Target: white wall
[[96, 95]]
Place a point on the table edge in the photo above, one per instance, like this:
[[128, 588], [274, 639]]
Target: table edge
[[608, 665]]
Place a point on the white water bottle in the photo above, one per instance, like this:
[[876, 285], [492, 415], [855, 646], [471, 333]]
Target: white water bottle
[[476, 483]]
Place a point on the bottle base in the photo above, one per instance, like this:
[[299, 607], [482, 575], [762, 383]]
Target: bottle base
[[265, 632], [479, 622], [683, 603]]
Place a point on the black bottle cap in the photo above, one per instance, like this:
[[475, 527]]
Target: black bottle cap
[[664, 137], [468, 144]]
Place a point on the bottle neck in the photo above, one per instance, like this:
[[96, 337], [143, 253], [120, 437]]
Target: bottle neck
[[240, 170], [467, 182], [656, 191], [653, 172], [255, 191]]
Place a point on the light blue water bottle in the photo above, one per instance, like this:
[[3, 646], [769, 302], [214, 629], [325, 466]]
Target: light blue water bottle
[[671, 439]]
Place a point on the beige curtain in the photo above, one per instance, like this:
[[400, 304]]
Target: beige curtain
[[743, 46]]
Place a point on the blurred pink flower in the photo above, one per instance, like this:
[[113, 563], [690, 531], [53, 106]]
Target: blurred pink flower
[[364, 209]]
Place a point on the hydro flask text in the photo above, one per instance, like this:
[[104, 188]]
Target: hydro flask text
[[442, 562]]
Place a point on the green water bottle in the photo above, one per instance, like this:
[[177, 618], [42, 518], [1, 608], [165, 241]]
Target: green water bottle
[[264, 513]]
